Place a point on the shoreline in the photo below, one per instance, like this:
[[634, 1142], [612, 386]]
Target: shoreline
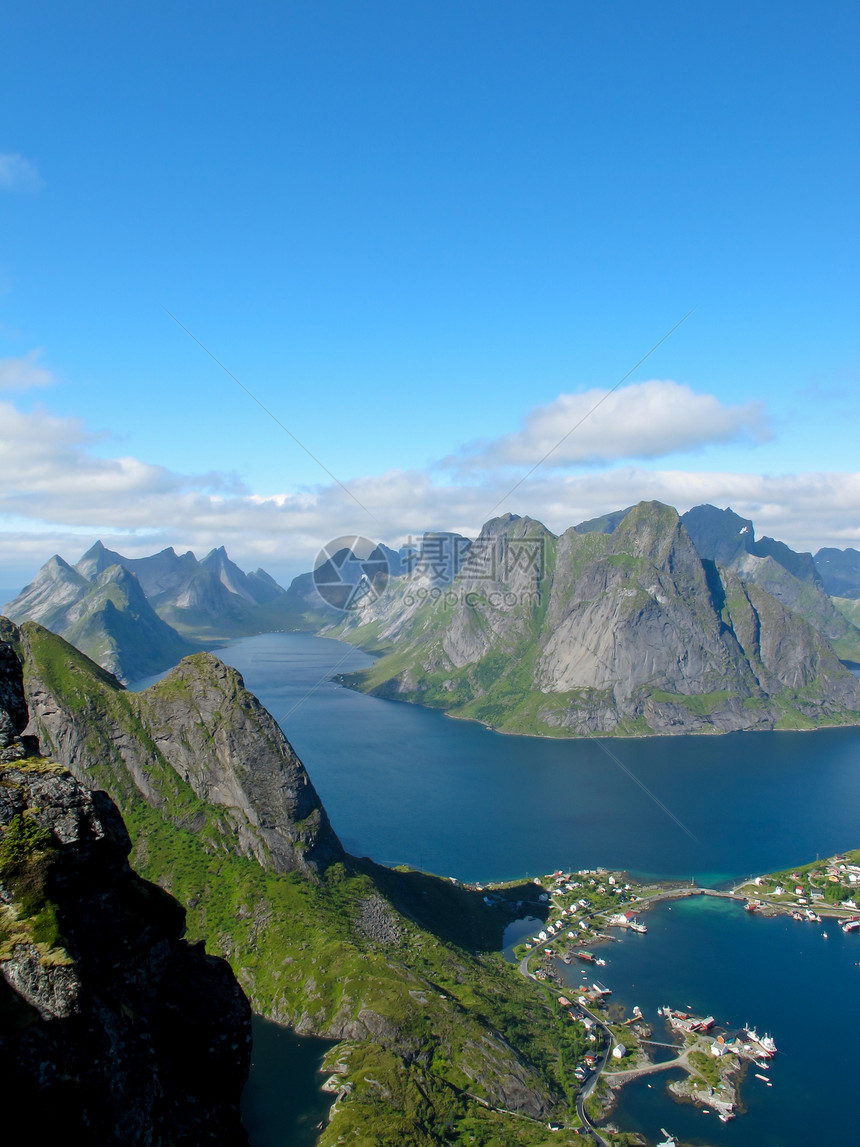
[[709, 731], [584, 906], [705, 731]]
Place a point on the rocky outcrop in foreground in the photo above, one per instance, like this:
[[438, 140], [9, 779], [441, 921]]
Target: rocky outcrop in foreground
[[113, 1030], [197, 746]]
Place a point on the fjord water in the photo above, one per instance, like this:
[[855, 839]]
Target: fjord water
[[404, 784], [282, 1101], [777, 975]]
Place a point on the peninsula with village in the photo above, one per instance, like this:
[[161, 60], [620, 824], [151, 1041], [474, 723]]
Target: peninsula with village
[[589, 910]]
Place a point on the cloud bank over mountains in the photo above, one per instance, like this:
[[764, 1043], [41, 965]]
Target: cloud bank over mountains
[[58, 493]]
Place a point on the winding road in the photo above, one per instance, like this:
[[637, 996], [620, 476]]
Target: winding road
[[587, 1088]]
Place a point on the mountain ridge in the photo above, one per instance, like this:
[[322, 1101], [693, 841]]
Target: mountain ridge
[[138, 616], [627, 630], [402, 966], [113, 1029]]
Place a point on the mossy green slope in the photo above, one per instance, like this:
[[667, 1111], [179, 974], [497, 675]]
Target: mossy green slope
[[400, 966]]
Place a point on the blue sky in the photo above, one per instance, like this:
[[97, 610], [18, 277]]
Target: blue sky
[[428, 236]]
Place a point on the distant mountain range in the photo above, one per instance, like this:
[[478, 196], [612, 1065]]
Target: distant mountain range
[[138, 616], [638, 622], [634, 622]]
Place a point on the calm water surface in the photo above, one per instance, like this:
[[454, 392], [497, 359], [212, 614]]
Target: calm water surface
[[282, 1104], [404, 784], [777, 975]]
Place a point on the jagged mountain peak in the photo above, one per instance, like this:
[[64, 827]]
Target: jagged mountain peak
[[605, 524], [634, 630], [516, 525], [97, 558], [792, 578], [55, 564]]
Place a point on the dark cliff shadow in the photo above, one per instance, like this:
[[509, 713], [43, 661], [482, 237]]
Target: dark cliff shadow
[[469, 917]]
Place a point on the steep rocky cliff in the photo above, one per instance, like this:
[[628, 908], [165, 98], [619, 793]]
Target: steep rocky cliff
[[197, 745], [403, 966], [113, 1030], [792, 578], [622, 628]]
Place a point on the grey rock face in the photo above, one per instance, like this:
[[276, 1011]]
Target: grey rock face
[[629, 629], [200, 724], [106, 1028], [113, 1030], [220, 739], [52, 990], [13, 707]]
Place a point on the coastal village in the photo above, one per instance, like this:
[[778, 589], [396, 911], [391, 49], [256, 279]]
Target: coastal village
[[589, 910]]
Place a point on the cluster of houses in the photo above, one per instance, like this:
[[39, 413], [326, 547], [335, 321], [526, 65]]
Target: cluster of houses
[[810, 887], [571, 915]]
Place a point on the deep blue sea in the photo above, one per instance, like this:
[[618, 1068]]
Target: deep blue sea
[[406, 784]]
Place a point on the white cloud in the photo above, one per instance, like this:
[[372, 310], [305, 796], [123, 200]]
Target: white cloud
[[18, 174], [643, 420], [24, 372], [58, 495], [806, 510]]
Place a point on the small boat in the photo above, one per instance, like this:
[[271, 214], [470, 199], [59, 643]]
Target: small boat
[[765, 1042]]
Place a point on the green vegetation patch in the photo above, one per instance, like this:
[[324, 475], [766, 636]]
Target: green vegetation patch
[[709, 1067], [27, 854]]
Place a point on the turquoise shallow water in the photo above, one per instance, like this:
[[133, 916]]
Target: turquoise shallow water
[[780, 976], [404, 784]]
